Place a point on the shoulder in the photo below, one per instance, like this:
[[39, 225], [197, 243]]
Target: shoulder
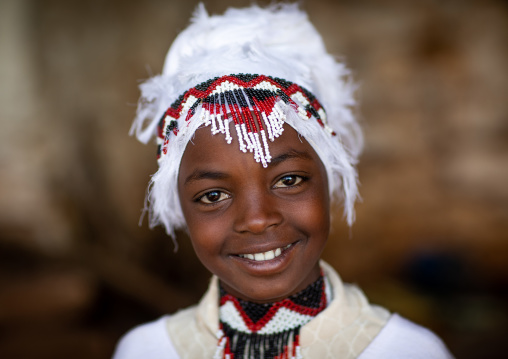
[[147, 341], [401, 338]]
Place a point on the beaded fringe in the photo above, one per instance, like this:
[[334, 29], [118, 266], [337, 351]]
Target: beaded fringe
[[255, 105], [284, 345]]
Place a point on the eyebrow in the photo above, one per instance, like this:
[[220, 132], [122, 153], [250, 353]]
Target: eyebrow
[[213, 175], [201, 175], [289, 155]]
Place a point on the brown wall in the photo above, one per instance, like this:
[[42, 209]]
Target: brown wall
[[430, 239]]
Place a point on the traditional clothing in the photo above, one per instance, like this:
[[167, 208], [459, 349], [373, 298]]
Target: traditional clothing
[[349, 327]]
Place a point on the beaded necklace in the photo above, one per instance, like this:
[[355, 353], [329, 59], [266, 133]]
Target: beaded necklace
[[268, 330]]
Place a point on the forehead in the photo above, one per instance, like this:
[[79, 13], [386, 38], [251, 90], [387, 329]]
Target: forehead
[[207, 150]]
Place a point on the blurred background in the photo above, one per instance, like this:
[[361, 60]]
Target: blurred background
[[431, 236]]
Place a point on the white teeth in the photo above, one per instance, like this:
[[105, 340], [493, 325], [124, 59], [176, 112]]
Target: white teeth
[[259, 257], [266, 256]]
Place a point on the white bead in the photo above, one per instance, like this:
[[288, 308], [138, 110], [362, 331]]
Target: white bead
[[214, 126], [257, 156], [202, 115], [226, 128], [207, 118], [250, 146], [260, 148], [322, 114], [221, 125], [268, 126], [240, 138]]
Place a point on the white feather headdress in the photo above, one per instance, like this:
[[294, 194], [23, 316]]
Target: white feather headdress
[[279, 42]]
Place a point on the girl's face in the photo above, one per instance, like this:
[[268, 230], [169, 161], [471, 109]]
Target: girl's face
[[260, 230]]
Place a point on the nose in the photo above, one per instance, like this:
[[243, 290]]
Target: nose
[[256, 212]]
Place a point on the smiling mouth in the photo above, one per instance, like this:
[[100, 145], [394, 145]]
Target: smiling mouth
[[265, 256]]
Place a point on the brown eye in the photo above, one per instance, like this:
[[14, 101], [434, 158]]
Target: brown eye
[[288, 181], [213, 197]]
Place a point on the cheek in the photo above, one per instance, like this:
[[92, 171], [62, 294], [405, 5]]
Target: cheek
[[320, 213], [206, 237], [313, 214]]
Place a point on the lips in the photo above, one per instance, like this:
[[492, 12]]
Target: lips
[[265, 256]]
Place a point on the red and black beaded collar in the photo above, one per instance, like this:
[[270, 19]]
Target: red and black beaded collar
[[269, 330]]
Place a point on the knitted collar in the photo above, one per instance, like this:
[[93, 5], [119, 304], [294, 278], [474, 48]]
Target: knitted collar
[[268, 330]]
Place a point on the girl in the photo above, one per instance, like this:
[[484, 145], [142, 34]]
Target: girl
[[256, 137]]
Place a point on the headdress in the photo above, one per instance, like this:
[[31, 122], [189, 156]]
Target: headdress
[[254, 68]]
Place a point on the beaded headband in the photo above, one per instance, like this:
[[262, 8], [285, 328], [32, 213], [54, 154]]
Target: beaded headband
[[251, 102]]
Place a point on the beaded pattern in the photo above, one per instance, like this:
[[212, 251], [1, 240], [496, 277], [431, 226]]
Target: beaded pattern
[[269, 330], [251, 102]]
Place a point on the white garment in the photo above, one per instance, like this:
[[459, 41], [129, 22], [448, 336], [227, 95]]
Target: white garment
[[400, 338], [350, 327], [147, 341]]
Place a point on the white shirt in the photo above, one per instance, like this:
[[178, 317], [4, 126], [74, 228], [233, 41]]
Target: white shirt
[[400, 338]]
